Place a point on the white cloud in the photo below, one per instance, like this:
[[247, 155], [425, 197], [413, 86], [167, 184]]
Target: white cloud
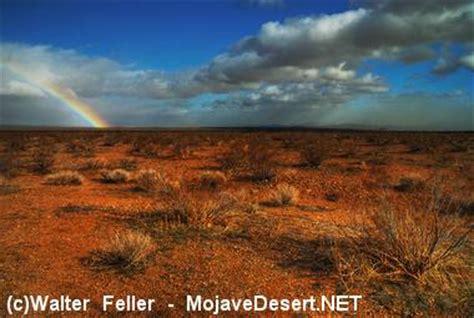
[[468, 61], [266, 3], [339, 73], [17, 88]]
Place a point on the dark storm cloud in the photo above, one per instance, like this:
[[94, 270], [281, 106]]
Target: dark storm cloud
[[31, 110], [416, 54], [415, 111]]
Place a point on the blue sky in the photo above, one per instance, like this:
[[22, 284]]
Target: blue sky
[[195, 63], [168, 35]]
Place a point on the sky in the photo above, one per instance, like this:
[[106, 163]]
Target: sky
[[396, 64]]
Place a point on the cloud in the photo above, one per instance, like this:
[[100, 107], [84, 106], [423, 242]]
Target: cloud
[[448, 63], [296, 50], [31, 110], [468, 61], [288, 71], [265, 3], [17, 88], [85, 76], [414, 111], [415, 54], [386, 30]]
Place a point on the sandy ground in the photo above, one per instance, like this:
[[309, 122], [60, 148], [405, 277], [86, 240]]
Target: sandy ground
[[280, 252]]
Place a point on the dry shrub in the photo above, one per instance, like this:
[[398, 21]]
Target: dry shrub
[[149, 180], [128, 164], [82, 147], [377, 159], [10, 164], [283, 195], [94, 164], [16, 144], [408, 184], [115, 176], [260, 162], [196, 211], [182, 151], [111, 139], [150, 150], [246, 201], [255, 158], [126, 253], [43, 160], [145, 147], [65, 178], [415, 148], [313, 155], [408, 261], [233, 159], [77, 208], [6, 187], [331, 196], [212, 180]]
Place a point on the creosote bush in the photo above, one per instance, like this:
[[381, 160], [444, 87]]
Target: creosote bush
[[409, 261], [65, 178], [126, 253], [115, 176], [284, 194]]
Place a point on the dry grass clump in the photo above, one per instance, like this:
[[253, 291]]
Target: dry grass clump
[[65, 178], [115, 176], [149, 180], [195, 211], [246, 201], [212, 180], [126, 253], [409, 261], [283, 195], [94, 164]]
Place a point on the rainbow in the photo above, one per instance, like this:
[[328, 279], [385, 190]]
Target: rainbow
[[66, 95]]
